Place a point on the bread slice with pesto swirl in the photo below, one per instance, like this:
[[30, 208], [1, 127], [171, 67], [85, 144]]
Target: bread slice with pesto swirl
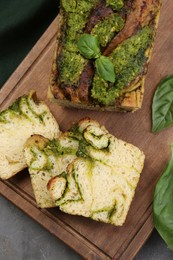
[[25, 117], [93, 189], [45, 159], [86, 171]]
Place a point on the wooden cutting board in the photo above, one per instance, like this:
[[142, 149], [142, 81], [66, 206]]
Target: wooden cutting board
[[94, 240]]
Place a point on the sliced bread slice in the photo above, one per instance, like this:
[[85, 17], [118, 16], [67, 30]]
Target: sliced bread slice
[[25, 117], [105, 178], [100, 191], [46, 159]]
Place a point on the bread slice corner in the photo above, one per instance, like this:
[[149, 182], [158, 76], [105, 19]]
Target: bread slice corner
[[25, 117]]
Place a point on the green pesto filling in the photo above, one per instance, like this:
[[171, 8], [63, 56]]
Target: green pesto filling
[[13, 111], [15, 106], [7, 115], [72, 65], [40, 161], [73, 62], [55, 148], [77, 6], [41, 157], [82, 149], [69, 5], [21, 108], [103, 92], [115, 5], [75, 25], [129, 59], [106, 29], [52, 148]]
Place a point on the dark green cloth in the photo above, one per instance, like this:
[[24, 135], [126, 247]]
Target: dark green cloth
[[22, 22]]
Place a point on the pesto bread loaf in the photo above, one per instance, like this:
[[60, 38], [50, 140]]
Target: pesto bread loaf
[[102, 53], [25, 117], [86, 171]]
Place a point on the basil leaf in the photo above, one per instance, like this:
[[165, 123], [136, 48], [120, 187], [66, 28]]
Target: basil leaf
[[162, 107], [88, 46], [105, 69], [163, 204]]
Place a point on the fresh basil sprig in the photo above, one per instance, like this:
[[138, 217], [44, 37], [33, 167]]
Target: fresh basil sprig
[[162, 107], [163, 206], [89, 47]]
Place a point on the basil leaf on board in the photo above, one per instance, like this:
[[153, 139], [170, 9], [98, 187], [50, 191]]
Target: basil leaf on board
[[163, 204], [88, 46], [105, 69], [162, 107]]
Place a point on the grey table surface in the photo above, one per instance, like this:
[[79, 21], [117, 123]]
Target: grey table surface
[[21, 238]]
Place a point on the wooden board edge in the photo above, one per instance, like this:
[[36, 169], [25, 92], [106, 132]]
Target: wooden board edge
[[43, 217], [136, 244], [28, 61]]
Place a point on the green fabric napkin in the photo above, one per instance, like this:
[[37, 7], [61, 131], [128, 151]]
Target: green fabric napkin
[[22, 22]]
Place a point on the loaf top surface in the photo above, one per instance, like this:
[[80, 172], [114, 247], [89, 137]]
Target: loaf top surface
[[124, 32]]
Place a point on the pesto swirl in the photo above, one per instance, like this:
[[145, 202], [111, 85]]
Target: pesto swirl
[[115, 5], [106, 29], [72, 62], [128, 59]]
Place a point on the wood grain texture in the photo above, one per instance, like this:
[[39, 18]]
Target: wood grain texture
[[94, 240]]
